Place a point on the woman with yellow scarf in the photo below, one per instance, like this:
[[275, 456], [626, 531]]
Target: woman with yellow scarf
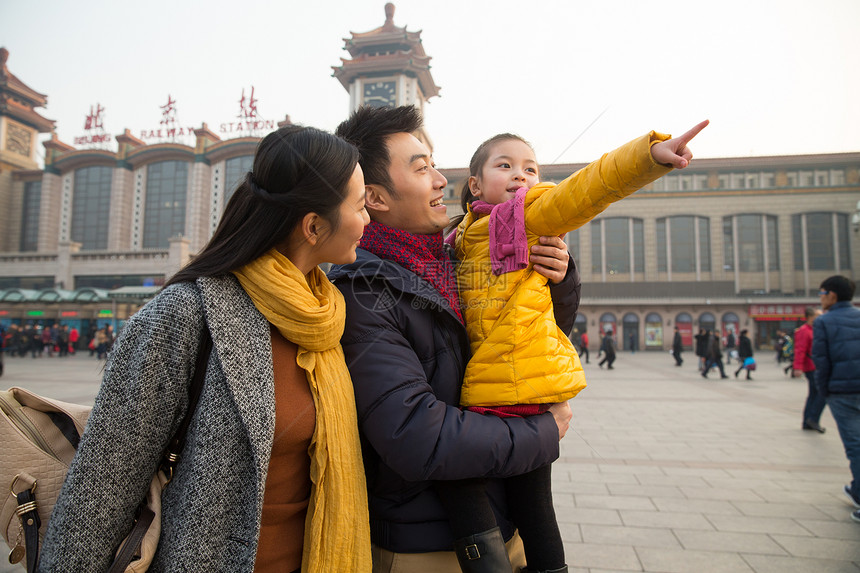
[[271, 476]]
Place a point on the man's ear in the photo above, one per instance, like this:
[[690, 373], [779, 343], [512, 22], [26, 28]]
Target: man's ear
[[376, 198], [474, 187]]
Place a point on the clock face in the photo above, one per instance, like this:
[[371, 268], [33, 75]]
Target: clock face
[[380, 94]]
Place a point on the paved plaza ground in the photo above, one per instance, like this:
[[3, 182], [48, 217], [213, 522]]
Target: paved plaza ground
[[662, 470]]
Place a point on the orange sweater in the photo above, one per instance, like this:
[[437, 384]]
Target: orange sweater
[[288, 483]]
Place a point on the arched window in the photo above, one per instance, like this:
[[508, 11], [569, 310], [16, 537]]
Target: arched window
[[164, 215], [684, 317], [684, 322], [91, 207], [707, 321], [607, 323], [579, 327], [730, 327], [730, 317], [653, 331], [630, 323]]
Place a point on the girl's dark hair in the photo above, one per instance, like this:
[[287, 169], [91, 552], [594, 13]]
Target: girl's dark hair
[[297, 170], [476, 164]]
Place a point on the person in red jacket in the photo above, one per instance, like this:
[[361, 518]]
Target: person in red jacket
[[583, 347], [803, 365]]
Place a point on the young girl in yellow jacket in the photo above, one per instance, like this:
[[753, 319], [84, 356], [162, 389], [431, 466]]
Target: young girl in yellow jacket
[[521, 361]]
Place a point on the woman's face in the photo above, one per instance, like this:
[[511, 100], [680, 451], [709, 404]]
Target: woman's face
[[339, 246]]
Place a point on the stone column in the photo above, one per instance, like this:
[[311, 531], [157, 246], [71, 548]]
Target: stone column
[[178, 255], [64, 276]]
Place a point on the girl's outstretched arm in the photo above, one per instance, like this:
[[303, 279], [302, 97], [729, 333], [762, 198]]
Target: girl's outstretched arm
[[674, 152]]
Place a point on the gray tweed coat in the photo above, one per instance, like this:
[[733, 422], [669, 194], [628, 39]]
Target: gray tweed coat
[[211, 519]]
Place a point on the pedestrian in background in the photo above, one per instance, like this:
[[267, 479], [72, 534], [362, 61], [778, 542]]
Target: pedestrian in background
[[778, 344], [803, 365], [74, 335], [730, 346], [788, 353], [677, 347], [745, 350], [714, 356], [836, 354], [701, 347], [607, 348], [583, 347]]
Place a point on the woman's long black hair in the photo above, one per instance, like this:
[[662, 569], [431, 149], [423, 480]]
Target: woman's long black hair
[[297, 170]]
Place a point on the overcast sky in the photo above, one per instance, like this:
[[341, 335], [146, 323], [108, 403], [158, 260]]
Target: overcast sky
[[774, 77]]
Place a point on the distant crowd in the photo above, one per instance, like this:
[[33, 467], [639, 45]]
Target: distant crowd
[[57, 339]]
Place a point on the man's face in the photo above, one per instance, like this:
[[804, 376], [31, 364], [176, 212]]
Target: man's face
[[828, 298], [418, 206]]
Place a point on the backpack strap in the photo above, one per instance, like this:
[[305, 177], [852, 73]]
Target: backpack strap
[[29, 515], [176, 445]]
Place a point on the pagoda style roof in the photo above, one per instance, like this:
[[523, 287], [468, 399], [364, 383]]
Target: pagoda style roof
[[387, 49], [18, 100]]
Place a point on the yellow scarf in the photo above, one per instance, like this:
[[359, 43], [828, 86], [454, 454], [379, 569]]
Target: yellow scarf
[[310, 313]]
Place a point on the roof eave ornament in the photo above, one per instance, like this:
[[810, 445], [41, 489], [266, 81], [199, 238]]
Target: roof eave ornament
[[389, 17]]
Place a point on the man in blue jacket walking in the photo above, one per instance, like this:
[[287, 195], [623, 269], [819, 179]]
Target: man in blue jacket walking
[[836, 354]]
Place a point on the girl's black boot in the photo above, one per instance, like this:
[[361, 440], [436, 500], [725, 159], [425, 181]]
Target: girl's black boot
[[483, 552]]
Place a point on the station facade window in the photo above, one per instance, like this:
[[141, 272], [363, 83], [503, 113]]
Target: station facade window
[[91, 207], [166, 191]]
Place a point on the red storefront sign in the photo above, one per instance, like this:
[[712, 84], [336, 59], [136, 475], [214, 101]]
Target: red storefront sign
[[779, 311]]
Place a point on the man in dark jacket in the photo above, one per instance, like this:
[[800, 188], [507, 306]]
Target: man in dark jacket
[[714, 356], [607, 349], [701, 347], [677, 347], [745, 350], [407, 348], [836, 354]]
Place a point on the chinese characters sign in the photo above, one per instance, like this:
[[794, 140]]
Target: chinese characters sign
[[778, 311], [170, 128], [249, 123], [94, 128]]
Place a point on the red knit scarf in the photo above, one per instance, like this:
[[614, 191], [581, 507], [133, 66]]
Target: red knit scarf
[[424, 255]]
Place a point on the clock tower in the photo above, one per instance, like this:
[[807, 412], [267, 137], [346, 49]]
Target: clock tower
[[20, 126], [388, 68], [20, 123]]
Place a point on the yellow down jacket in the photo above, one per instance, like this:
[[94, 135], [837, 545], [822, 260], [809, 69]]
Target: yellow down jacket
[[519, 355]]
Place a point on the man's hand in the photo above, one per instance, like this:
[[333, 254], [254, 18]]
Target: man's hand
[[674, 152], [550, 258], [562, 414], [796, 373]]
